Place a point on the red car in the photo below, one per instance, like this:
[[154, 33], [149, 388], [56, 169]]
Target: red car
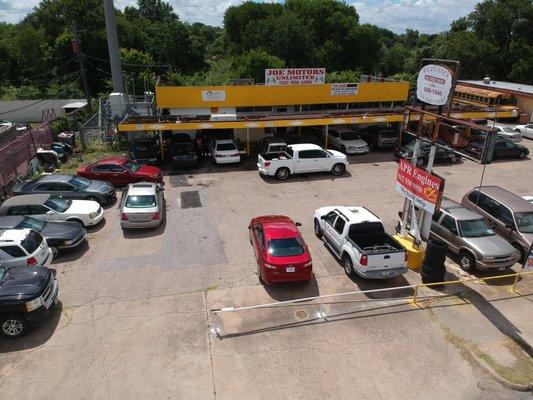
[[120, 171], [281, 253]]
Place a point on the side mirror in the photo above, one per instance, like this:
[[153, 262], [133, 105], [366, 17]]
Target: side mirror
[[509, 226], [323, 217], [298, 224], [49, 212]]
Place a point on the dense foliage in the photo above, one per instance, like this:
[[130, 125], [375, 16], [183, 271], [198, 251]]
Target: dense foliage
[[36, 58]]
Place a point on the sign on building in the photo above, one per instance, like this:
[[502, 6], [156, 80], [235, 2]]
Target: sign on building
[[344, 89], [213, 95], [295, 76], [419, 186], [434, 84]]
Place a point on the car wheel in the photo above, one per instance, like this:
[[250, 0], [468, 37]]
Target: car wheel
[[55, 252], [522, 155], [78, 221], [521, 251], [453, 159], [347, 265], [343, 149], [13, 326], [318, 231], [338, 169], [518, 130], [283, 173], [419, 162], [467, 262]]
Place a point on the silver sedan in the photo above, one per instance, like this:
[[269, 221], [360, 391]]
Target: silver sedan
[[142, 206]]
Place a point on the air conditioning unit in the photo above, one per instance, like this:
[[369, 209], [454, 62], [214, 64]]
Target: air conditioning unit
[[223, 117]]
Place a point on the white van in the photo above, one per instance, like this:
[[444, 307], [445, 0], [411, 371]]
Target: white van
[[23, 247]]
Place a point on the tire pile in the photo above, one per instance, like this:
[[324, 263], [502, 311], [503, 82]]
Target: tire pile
[[433, 268]]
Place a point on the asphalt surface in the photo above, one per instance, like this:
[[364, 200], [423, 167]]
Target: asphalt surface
[[134, 319]]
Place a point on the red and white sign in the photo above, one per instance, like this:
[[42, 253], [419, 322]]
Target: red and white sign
[[434, 84], [419, 186], [295, 76]]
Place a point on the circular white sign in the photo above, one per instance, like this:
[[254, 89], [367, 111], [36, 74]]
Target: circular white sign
[[434, 84]]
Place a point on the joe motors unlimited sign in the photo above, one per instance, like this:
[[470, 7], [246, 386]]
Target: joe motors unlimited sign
[[434, 84], [295, 76], [419, 186]]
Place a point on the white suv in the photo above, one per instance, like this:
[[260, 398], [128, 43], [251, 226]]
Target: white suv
[[23, 247], [225, 152], [347, 141]]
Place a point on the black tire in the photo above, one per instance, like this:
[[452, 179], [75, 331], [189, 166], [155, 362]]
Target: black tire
[[522, 155], [347, 265], [318, 230], [283, 173], [520, 249], [467, 261], [419, 162], [13, 326], [338, 169], [343, 149], [55, 252]]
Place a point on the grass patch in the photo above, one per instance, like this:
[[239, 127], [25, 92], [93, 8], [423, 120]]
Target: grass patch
[[90, 155], [211, 288]]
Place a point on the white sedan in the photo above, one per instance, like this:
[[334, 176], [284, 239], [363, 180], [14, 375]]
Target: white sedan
[[508, 133], [225, 152], [48, 207], [347, 141], [525, 130]]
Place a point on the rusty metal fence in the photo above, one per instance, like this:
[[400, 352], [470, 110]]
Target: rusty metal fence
[[17, 149]]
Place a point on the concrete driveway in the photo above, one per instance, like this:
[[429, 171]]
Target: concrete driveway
[[134, 316]]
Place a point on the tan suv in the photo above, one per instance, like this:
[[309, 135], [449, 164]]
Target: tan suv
[[510, 215]]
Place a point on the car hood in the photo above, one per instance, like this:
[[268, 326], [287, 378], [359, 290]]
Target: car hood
[[62, 230], [337, 154], [491, 246], [356, 142], [528, 237], [148, 170], [99, 187], [24, 283], [83, 207]]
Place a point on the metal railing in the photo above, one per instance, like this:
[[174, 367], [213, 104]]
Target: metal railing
[[321, 314]]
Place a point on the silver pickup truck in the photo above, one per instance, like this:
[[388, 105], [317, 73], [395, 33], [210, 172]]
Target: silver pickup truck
[[301, 158]]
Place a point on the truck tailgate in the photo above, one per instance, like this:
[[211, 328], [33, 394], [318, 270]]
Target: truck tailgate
[[386, 260]]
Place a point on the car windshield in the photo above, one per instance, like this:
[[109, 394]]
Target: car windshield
[[143, 201], [507, 129], [277, 148], [31, 223], [58, 204], [285, 247], [524, 221], [32, 242], [226, 146], [182, 149], [349, 136], [132, 166], [3, 273], [472, 228], [80, 182]]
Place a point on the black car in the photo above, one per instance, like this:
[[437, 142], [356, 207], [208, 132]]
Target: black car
[[503, 148], [442, 155], [183, 153], [26, 297], [70, 187], [63, 150], [379, 137], [59, 235], [146, 151]]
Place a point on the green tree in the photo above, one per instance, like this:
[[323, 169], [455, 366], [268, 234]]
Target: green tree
[[253, 64], [138, 68]]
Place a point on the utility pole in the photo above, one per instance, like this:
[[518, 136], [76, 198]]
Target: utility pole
[[76, 48], [112, 44]]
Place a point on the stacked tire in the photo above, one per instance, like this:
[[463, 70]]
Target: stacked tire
[[433, 268]]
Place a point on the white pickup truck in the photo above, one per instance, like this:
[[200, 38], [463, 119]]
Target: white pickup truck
[[358, 238], [301, 158]]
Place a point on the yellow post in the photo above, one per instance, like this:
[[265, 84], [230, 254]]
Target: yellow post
[[247, 141], [415, 294], [516, 281]]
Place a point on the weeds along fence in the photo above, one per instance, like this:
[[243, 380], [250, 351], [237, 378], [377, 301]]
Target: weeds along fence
[[17, 149]]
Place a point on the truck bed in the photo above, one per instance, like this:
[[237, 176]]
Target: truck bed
[[378, 243], [275, 156]]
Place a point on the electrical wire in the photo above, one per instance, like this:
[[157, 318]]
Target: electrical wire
[[98, 69], [43, 74], [129, 64]]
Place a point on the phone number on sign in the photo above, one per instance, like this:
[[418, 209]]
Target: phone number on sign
[[434, 91]]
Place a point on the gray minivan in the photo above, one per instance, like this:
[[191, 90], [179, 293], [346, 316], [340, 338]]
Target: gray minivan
[[509, 214], [468, 235]]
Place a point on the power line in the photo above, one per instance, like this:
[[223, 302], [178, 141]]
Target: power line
[[131, 65], [44, 73]]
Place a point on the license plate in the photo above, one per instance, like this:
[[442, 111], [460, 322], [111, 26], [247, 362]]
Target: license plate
[[290, 269]]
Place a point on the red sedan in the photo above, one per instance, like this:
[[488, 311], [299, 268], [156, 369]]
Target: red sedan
[[281, 253], [120, 171]]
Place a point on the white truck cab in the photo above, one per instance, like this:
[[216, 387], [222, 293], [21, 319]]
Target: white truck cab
[[359, 240]]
